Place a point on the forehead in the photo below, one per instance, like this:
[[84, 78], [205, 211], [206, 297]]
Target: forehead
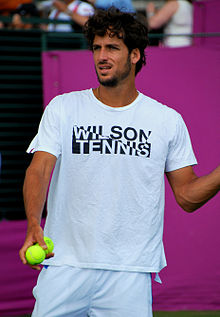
[[107, 39]]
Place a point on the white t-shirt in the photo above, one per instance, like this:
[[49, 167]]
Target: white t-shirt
[[106, 197], [180, 23], [82, 8]]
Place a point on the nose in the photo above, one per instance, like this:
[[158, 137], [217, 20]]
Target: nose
[[103, 54]]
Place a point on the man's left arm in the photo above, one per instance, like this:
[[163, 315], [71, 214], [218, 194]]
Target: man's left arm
[[191, 192], [78, 18]]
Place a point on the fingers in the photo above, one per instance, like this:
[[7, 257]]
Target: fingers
[[49, 255], [35, 267], [150, 7], [42, 243], [38, 267], [27, 244], [35, 234], [22, 256]]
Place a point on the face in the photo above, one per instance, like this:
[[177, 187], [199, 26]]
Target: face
[[17, 22], [113, 63]]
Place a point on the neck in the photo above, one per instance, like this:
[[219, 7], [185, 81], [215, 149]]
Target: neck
[[116, 96]]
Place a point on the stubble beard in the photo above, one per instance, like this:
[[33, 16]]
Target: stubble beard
[[117, 78]]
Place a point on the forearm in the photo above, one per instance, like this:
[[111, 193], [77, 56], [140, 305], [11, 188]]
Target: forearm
[[154, 22], [79, 19], [158, 18], [63, 7], [34, 192], [200, 190]]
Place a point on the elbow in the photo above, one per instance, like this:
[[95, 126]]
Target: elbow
[[152, 25], [186, 204], [189, 207]]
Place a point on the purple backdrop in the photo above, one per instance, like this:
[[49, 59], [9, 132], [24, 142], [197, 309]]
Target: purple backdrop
[[206, 19], [188, 80]]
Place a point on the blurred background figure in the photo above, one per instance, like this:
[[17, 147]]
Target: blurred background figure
[[123, 5], [67, 10], [7, 7], [176, 16], [26, 10]]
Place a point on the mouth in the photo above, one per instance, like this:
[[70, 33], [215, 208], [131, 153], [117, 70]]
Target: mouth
[[104, 69]]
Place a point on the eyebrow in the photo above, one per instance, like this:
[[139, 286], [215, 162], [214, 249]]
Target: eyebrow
[[106, 45]]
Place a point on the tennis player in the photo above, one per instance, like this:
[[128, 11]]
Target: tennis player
[[109, 149]]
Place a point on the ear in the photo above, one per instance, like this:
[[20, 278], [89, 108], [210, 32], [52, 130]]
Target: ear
[[135, 55]]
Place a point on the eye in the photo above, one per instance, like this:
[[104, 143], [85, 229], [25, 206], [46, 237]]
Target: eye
[[95, 47], [113, 47]]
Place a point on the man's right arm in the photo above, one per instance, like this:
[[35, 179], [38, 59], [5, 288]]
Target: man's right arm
[[35, 188]]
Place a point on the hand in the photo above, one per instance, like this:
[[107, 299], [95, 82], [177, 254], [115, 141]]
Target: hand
[[59, 5], [150, 8], [17, 21], [35, 234]]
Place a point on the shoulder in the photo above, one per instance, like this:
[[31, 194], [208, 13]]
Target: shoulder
[[184, 6], [82, 8], [161, 116], [160, 108], [171, 6], [64, 105], [184, 3], [71, 95]]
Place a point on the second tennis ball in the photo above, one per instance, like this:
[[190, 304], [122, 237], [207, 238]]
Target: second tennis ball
[[49, 244]]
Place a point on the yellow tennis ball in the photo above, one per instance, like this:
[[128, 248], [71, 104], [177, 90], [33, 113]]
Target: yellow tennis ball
[[49, 244], [35, 254]]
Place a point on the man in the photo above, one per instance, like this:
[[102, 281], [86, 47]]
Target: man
[[109, 148], [70, 10], [176, 17], [26, 10]]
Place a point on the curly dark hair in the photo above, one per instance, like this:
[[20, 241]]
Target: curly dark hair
[[124, 25]]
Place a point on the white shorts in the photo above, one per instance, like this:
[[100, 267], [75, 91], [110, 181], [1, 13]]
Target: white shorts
[[72, 292]]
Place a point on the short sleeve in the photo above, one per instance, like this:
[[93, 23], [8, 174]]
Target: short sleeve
[[180, 152], [85, 9], [48, 138]]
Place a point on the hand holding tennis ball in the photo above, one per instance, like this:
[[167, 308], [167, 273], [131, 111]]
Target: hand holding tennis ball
[[36, 254], [49, 244]]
